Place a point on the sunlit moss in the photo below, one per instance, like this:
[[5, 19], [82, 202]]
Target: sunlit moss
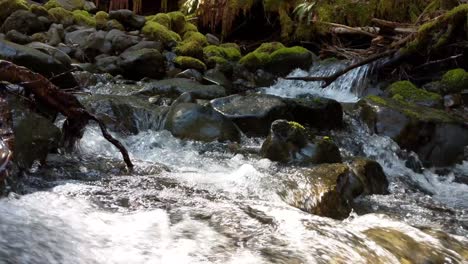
[[185, 62]]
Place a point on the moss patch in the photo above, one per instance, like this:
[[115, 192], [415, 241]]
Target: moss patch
[[269, 47], [177, 21], [270, 52], [7, 7], [38, 10], [409, 92], [52, 4], [159, 32], [185, 62], [162, 19], [455, 80], [61, 16], [255, 60], [83, 18], [189, 48]]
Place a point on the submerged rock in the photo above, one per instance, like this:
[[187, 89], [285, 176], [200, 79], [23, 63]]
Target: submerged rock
[[254, 113], [288, 142], [193, 121], [177, 86], [436, 136], [329, 189]]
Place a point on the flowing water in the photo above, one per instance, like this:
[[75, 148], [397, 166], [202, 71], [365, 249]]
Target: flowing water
[[192, 202]]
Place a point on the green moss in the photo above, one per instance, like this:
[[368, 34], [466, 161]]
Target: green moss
[[196, 37], [288, 51], [231, 45], [83, 18], [296, 125], [177, 21], [159, 32], [190, 48], [189, 27], [114, 24], [52, 4], [455, 80], [227, 52], [61, 16], [101, 18], [287, 25], [409, 92], [216, 60], [269, 47], [38, 10], [7, 7], [162, 19], [255, 60], [412, 110], [185, 62]]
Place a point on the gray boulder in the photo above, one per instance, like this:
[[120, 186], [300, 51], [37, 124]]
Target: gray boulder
[[128, 18], [143, 63], [25, 22]]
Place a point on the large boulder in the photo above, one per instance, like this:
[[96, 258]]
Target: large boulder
[[39, 62], [51, 51], [125, 114], [128, 18], [143, 63], [109, 64], [436, 136], [192, 121], [177, 86], [120, 41], [254, 113], [78, 37], [7, 7], [329, 189], [146, 44], [56, 34], [66, 4], [18, 37], [289, 142], [25, 22]]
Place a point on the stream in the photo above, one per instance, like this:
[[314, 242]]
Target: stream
[[193, 202]]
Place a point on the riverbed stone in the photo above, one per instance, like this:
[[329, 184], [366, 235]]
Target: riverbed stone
[[25, 22], [39, 62], [197, 122], [143, 63], [18, 37], [128, 18], [51, 51], [177, 86], [435, 135]]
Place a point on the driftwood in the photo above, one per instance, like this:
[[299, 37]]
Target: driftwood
[[47, 93]]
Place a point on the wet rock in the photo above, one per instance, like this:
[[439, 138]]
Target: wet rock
[[284, 60], [51, 51], [289, 142], [120, 41], [18, 37], [128, 18], [125, 114], [453, 100], [212, 39], [177, 86], [190, 74], [25, 22], [143, 63], [217, 77], [39, 62], [109, 64], [196, 122], [254, 113], [329, 189], [56, 34], [96, 44], [145, 44], [408, 92], [78, 37], [437, 137]]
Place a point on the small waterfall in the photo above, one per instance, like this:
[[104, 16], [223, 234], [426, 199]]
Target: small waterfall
[[348, 88]]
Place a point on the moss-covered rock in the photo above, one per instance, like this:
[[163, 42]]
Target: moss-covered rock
[[178, 21], [83, 18], [407, 91], [221, 55], [197, 37], [61, 16], [156, 31], [270, 47], [161, 18], [67, 4], [25, 22], [436, 136], [455, 81], [101, 18], [38, 10], [189, 48], [189, 27], [185, 62], [7, 7], [255, 60]]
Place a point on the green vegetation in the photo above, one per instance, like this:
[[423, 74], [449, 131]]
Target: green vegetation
[[83, 18], [159, 32], [38, 10], [185, 62], [52, 4], [161, 18], [455, 80], [61, 16], [269, 52], [7, 7], [405, 90]]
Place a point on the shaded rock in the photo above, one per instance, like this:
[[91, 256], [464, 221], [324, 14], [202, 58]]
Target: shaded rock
[[96, 44], [212, 39], [109, 64], [120, 41], [51, 51], [18, 37], [329, 189], [219, 78], [289, 142], [145, 44], [25, 22], [89, 6], [71, 4], [125, 114], [285, 60], [128, 18], [196, 122], [143, 63], [56, 34], [177, 86], [453, 100], [437, 137], [190, 74], [406, 91], [254, 113], [78, 37], [39, 62]]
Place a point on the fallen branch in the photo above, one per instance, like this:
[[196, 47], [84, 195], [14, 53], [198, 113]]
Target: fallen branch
[[327, 80], [47, 93]]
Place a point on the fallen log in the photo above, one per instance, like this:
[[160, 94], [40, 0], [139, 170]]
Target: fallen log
[[67, 104]]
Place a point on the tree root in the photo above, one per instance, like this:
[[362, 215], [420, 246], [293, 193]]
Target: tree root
[[47, 93]]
